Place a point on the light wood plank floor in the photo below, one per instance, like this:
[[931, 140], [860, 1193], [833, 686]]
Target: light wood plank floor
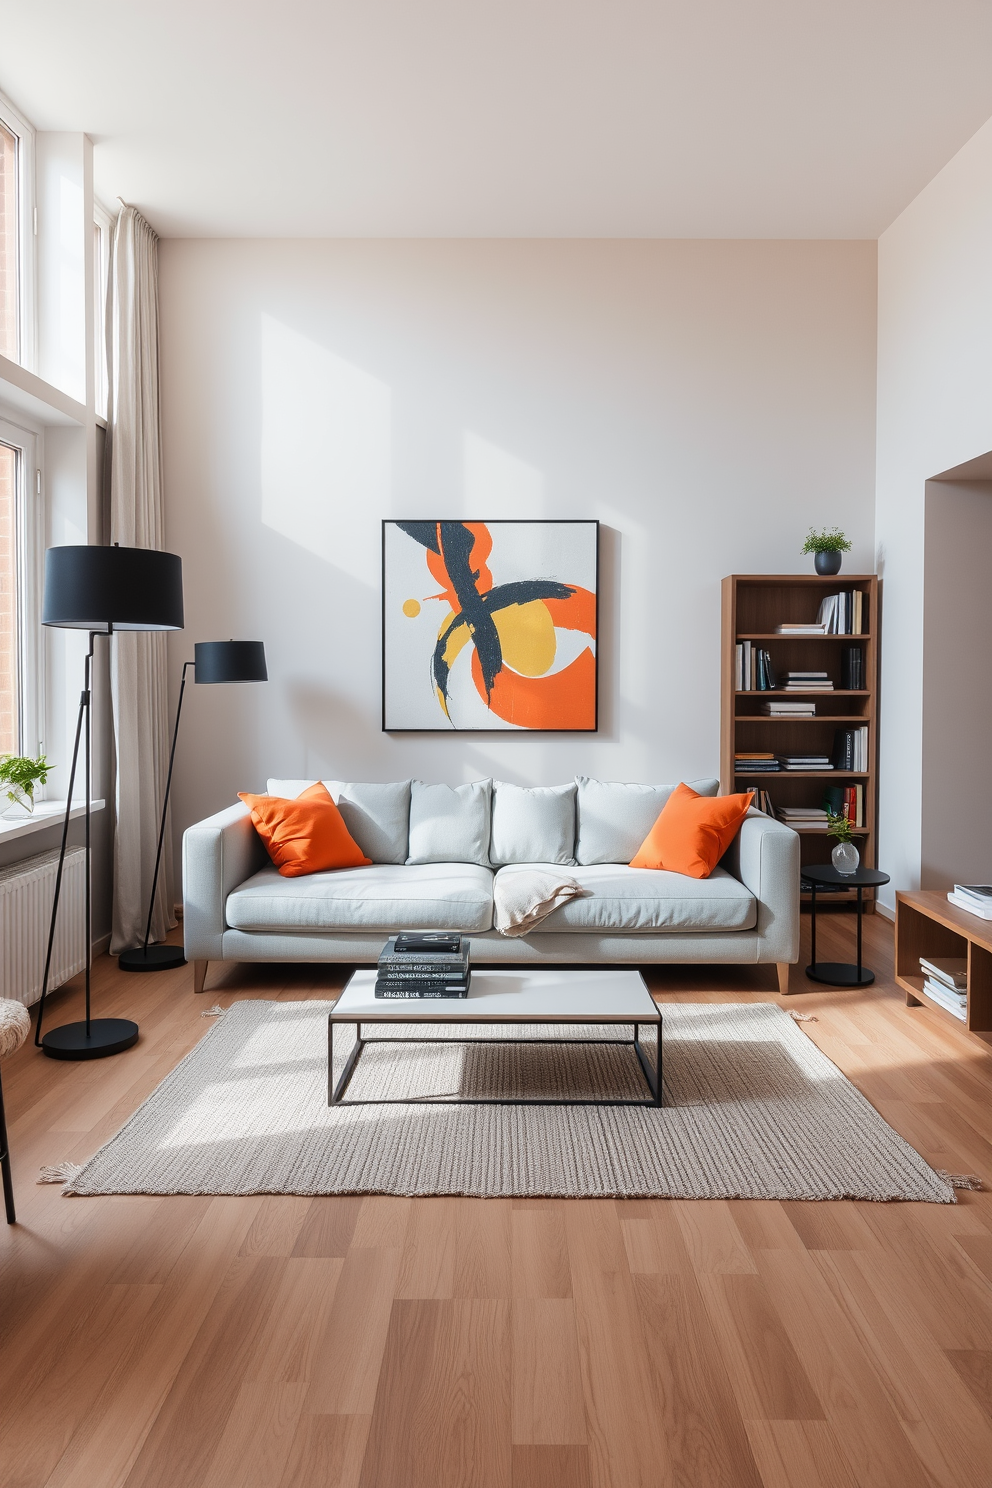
[[389, 1343]]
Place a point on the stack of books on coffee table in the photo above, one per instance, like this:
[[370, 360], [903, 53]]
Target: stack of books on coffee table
[[426, 963]]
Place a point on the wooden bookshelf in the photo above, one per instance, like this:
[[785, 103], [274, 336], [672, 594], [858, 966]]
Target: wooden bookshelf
[[753, 605], [927, 925]]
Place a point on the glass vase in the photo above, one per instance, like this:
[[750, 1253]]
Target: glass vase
[[845, 857], [20, 802]]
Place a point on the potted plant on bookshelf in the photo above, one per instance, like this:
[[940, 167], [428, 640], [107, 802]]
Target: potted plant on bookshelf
[[18, 777], [829, 547], [845, 856]]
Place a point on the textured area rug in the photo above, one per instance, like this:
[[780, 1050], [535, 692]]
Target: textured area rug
[[752, 1110]]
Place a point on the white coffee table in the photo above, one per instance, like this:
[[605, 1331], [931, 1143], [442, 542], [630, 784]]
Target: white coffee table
[[524, 996]]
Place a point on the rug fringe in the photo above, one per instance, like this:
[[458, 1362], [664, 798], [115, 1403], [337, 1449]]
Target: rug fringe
[[213, 1012], [64, 1172], [959, 1180], [802, 1017]]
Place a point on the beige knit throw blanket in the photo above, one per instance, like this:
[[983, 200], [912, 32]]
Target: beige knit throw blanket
[[524, 898]]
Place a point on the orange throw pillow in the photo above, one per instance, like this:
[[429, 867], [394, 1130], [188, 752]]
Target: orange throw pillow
[[306, 835], [692, 832]]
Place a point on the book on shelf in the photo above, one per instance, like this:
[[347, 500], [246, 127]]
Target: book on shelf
[[815, 762], [851, 749], [951, 970], [753, 670], [801, 628], [789, 710], [852, 669], [842, 614], [763, 802], [953, 1002], [814, 815], [846, 800], [970, 905]]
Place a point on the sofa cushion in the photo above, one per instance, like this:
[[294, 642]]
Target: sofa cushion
[[386, 897], [377, 815], [450, 823], [614, 818], [622, 900], [533, 824]]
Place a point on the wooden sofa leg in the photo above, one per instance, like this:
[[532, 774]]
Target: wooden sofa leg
[[199, 975], [783, 968]]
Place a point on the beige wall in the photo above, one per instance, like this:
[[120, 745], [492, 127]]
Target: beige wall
[[934, 413], [706, 401]]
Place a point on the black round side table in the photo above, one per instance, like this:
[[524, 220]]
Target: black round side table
[[840, 973]]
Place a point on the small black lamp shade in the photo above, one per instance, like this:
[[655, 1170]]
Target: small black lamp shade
[[230, 661], [102, 589]]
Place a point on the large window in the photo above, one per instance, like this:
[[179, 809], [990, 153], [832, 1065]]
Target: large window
[[21, 542], [11, 477]]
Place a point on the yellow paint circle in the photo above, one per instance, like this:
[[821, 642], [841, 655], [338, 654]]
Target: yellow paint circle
[[411, 608], [527, 637]]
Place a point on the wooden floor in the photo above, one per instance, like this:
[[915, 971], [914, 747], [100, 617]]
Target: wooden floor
[[389, 1343]]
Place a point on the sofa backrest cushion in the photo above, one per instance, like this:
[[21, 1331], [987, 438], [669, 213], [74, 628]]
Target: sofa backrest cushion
[[532, 824], [450, 823], [614, 818], [377, 815]]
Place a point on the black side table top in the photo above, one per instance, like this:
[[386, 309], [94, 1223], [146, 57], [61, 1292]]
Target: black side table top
[[862, 878]]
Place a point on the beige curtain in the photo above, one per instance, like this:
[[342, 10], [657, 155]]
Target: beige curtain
[[138, 677]]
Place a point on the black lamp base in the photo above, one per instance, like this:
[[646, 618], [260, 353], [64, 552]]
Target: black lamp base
[[152, 958], [106, 1036]]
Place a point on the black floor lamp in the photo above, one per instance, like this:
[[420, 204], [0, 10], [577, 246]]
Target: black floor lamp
[[100, 589], [213, 661]]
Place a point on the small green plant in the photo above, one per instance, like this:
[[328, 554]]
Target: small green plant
[[20, 773], [839, 827], [830, 540]]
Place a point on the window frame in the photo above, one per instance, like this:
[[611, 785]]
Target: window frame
[[30, 529], [27, 308], [103, 221]]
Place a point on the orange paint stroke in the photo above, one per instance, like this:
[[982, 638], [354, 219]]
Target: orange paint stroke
[[565, 700]]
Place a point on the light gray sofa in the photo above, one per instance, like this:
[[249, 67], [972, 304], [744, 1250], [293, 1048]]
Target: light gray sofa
[[436, 851]]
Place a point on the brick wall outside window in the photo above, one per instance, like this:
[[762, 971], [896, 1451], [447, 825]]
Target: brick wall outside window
[[8, 600], [8, 243]]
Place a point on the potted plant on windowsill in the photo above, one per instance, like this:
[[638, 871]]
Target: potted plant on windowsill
[[18, 777], [845, 856], [829, 547]]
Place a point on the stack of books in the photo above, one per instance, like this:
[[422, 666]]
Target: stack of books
[[946, 981], [424, 964], [801, 628], [813, 762], [842, 614], [851, 749], [975, 898], [789, 710], [849, 801], [803, 816], [753, 669], [747, 763], [852, 669], [763, 802], [808, 682]]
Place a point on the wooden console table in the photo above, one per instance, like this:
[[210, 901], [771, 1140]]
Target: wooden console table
[[927, 925]]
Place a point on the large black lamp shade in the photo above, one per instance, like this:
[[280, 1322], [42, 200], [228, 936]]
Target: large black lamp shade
[[100, 589], [103, 589]]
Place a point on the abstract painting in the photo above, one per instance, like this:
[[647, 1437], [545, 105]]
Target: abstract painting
[[489, 625]]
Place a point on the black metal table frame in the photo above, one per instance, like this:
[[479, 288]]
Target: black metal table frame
[[335, 1093], [862, 977]]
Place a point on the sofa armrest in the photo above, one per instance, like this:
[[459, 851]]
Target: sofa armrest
[[765, 857], [218, 854]]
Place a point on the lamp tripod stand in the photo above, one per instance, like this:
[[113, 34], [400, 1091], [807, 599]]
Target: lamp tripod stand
[[93, 1037]]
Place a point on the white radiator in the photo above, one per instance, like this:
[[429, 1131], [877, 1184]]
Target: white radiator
[[26, 893]]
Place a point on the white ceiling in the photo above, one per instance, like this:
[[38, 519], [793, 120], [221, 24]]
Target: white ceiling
[[507, 118]]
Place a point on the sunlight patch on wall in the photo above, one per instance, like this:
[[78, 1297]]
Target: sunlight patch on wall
[[326, 451], [497, 484]]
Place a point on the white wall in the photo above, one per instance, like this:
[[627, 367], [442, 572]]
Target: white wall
[[934, 413], [706, 400]]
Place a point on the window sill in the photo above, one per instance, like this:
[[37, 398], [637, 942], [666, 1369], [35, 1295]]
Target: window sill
[[45, 814]]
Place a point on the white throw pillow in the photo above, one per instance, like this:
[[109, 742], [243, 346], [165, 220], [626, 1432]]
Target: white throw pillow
[[533, 824], [377, 815], [450, 823], [614, 818]]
